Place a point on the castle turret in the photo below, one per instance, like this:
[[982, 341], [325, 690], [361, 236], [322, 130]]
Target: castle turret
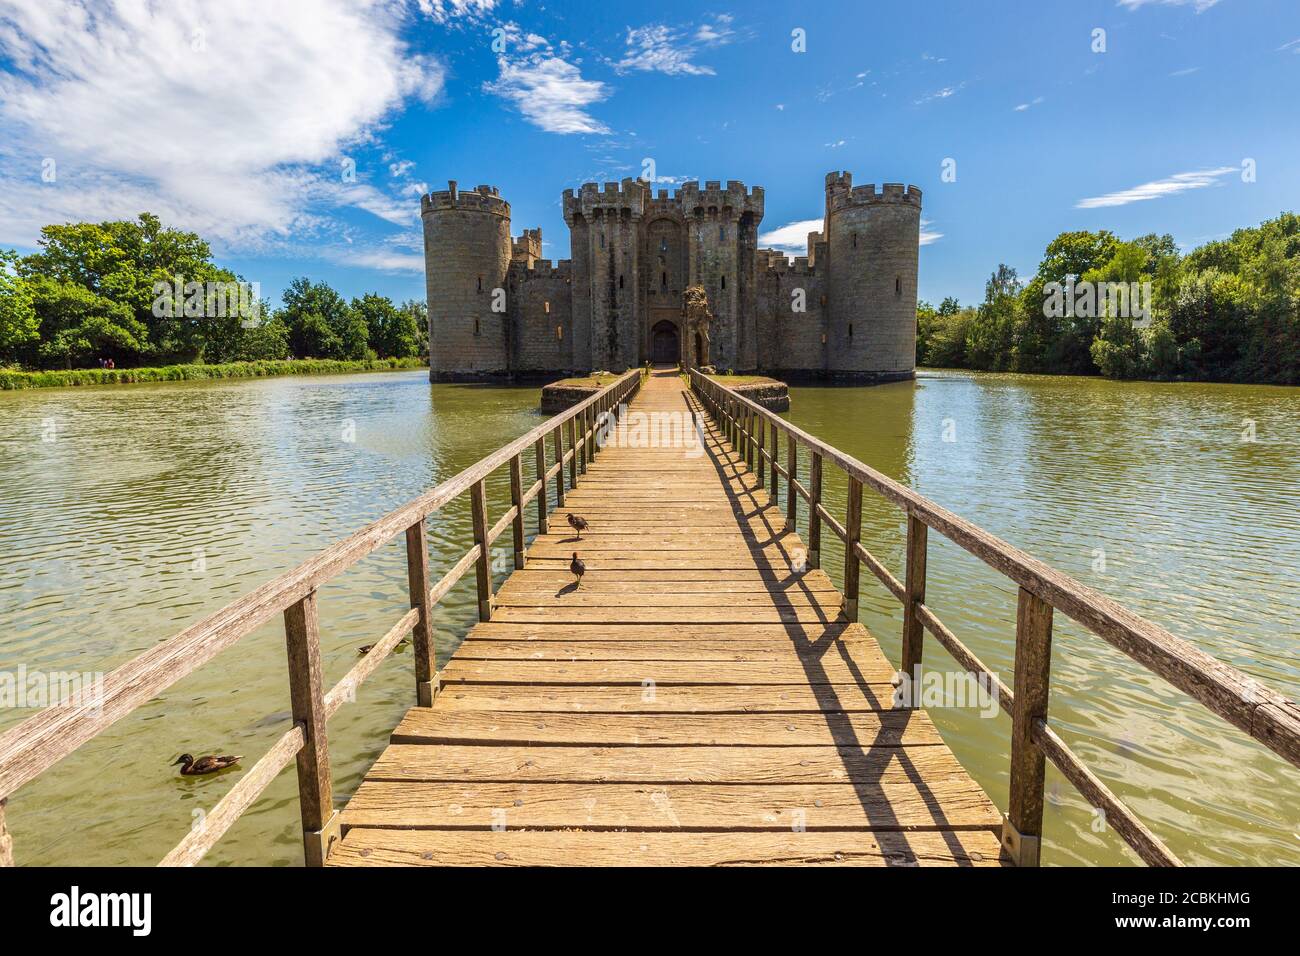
[[872, 243], [467, 251]]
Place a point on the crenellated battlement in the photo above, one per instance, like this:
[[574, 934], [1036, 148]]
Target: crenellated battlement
[[592, 199], [547, 269], [480, 198], [841, 193]]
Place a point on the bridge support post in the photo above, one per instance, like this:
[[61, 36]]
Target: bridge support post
[[517, 499], [539, 450], [814, 516], [483, 566], [791, 476], [573, 447], [320, 822], [760, 426], [1022, 827], [776, 448], [6, 841], [559, 460], [417, 577], [852, 534], [914, 592]]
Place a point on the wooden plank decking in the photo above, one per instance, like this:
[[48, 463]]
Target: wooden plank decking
[[695, 702]]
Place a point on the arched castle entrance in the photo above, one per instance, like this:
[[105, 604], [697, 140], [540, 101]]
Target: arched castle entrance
[[665, 343]]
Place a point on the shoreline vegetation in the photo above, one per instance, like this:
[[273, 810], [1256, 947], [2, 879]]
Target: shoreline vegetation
[[14, 379]]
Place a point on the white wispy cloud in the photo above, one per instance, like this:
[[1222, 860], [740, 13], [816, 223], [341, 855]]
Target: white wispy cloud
[[792, 238], [929, 236], [941, 94], [444, 11], [168, 107], [659, 48], [1198, 5], [1032, 103], [1186, 72], [1170, 186], [1293, 46], [550, 92]]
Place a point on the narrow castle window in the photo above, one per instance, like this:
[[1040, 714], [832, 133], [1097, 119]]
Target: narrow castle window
[[724, 282], [546, 307], [722, 232], [855, 240], [663, 245], [850, 330], [559, 333], [480, 283], [602, 240], [898, 285], [476, 327], [620, 280], [663, 279]]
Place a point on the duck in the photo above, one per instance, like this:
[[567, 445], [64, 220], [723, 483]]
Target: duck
[[204, 765], [578, 524], [365, 649], [577, 567]]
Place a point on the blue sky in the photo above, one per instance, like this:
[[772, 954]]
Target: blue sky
[[297, 136]]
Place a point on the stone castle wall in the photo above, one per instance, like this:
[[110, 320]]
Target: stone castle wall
[[633, 254]]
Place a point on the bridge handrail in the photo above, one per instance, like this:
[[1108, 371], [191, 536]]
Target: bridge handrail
[[1265, 714], [36, 744]]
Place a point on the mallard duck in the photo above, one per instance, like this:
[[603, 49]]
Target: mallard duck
[[578, 524], [197, 768], [365, 649], [577, 568]]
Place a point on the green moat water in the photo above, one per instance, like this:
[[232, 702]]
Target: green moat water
[[155, 505]]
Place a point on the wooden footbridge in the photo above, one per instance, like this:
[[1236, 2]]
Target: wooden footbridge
[[705, 697]]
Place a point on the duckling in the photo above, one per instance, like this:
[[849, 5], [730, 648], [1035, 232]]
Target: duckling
[[577, 567], [578, 524], [204, 765]]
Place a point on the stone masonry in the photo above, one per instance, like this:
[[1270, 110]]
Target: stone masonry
[[847, 310]]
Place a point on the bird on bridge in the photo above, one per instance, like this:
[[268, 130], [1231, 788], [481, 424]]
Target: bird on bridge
[[577, 567], [204, 765], [578, 524]]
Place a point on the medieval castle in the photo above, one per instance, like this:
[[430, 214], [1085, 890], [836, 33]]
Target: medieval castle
[[847, 310]]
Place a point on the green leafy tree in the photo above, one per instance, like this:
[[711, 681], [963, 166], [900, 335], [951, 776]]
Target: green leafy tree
[[320, 323], [19, 326], [393, 332]]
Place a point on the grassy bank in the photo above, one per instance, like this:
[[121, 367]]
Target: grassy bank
[[11, 379]]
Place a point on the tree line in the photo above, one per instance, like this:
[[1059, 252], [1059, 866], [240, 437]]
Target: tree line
[[1228, 311], [141, 294]]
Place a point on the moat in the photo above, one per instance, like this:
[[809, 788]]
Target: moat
[[153, 505]]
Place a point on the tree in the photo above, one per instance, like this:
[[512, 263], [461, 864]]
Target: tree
[[320, 323], [393, 332], [19, 326], [989, 336]]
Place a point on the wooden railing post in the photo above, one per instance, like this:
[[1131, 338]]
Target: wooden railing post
[[417, 578], [1022, 827], [559, 460], [573, 447], [776, 450], [814, 518], [760, 425], [539, 450], [6, 841], [914, 592], [517, 499], [791, 476], [483, 566], [320, 822], [852, 534]]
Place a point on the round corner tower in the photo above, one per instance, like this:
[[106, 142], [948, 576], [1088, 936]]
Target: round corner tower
[[466, 260], [873, 244]]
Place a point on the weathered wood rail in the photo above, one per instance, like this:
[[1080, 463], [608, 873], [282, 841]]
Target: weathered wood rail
[[1263, 713], [39, 742], [704, 698]]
